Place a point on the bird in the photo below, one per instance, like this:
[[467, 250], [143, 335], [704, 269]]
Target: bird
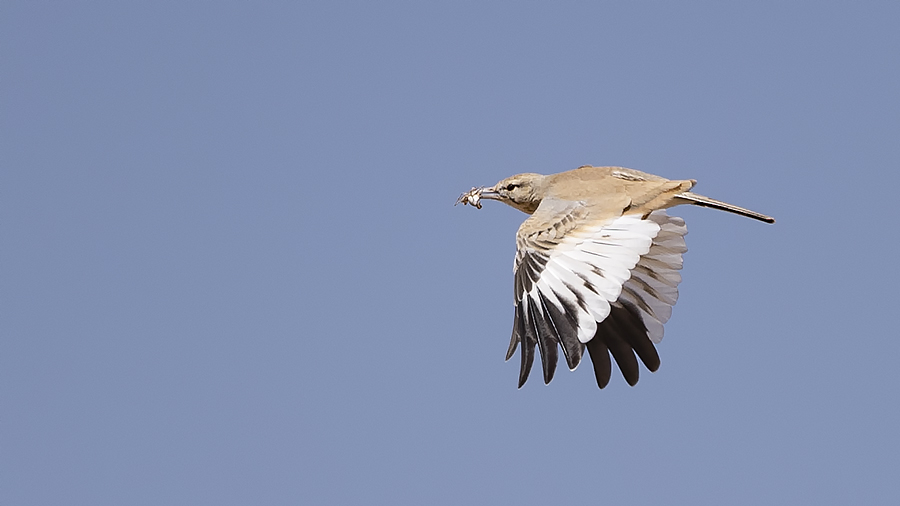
[[597, 265]]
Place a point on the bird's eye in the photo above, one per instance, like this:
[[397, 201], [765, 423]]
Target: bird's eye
[[511, 187]]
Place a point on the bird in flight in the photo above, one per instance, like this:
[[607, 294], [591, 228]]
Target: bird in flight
[[596, 264]]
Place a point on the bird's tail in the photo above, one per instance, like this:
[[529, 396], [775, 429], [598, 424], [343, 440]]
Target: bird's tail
[[700, 200]]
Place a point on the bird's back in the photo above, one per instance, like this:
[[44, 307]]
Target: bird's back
[[616, 190]]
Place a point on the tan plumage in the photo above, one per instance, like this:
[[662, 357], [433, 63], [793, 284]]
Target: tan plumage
[[596, 264]]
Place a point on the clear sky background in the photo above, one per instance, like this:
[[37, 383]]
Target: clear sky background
[[231, 271]]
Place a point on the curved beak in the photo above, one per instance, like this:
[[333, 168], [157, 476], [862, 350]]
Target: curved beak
[[490, 193]]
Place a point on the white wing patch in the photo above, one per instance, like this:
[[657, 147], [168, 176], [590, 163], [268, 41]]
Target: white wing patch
[[590, 269]]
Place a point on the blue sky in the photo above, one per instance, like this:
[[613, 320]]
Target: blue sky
[[231, 271]]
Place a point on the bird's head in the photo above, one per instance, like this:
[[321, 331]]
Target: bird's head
[[522, 191]]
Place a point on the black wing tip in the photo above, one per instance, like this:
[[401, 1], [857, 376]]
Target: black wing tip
[[549, 369], [514, 343], [632, 381], [600, 360], [527, 355], [602, 383], [624, 336], [620, 349], [549, 359], [534, 328], [525, 368]]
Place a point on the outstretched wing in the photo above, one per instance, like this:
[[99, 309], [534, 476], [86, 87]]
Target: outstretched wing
[[609, 283]]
